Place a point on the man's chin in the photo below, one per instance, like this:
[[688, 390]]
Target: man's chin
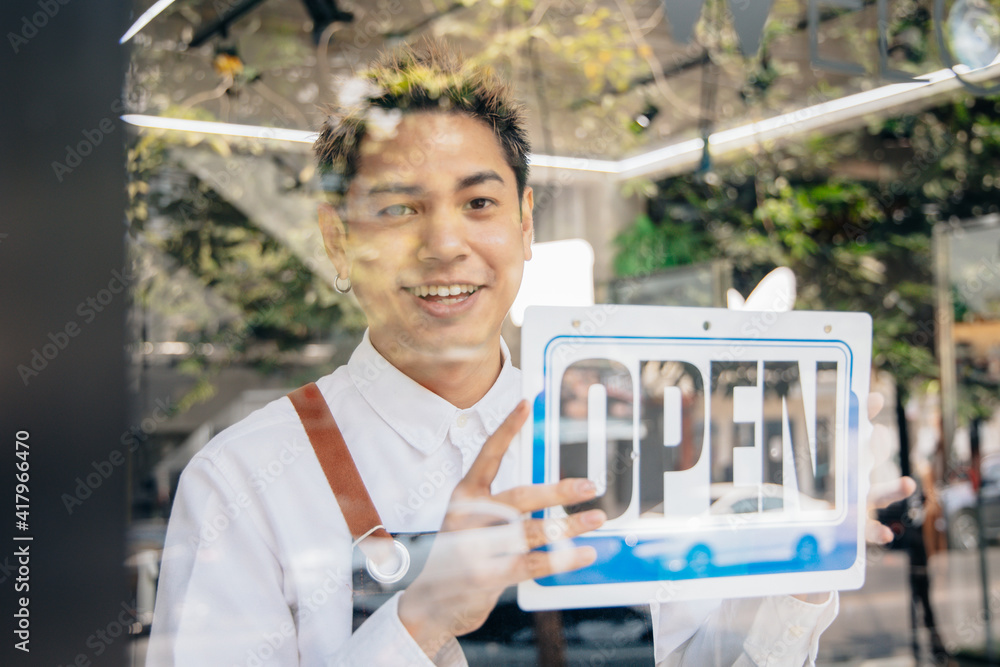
[[448, 350], [438, 347]]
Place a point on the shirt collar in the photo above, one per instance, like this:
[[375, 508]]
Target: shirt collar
[[418, 415]]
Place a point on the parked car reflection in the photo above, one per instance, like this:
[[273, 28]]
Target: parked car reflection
[[958, 500], [764, 532]]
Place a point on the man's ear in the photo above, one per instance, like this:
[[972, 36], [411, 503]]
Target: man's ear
[[527, 221], [334, 233]]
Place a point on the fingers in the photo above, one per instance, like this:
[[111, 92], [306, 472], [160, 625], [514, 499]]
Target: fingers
[[877, 533], [478, 512], [881, 495], [545, 531], [493, 558], [875, 403], [485, 467], [889, 492], [538, 564], [568, 491]]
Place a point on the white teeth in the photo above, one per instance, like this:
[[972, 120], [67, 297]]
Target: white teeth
[[442, 290]]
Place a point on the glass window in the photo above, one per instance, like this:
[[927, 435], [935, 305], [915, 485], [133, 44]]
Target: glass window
[[853, 144]]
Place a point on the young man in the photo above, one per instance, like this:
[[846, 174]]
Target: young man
[[430, 226]]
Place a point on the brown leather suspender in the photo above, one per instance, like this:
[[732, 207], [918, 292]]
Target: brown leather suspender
[[341, 472]]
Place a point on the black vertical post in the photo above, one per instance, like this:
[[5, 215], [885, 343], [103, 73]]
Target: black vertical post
[[551, 639], [63, 297], [984, 574], [905, 470], [905, 467]]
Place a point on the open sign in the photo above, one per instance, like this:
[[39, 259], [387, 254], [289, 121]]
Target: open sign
[[724, 446]]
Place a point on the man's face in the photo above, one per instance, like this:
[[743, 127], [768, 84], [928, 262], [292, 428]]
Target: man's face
[[433, 237]]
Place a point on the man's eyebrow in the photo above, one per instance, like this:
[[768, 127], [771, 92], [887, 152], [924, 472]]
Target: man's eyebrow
[[477, 178], [396, 189], [414, 190]]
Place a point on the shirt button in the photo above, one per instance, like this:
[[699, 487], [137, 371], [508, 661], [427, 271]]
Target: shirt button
[[462, 420]]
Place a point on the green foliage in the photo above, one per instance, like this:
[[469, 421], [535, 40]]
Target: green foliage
[[655, 246], [216, 277], [247, 268], [854, 244]]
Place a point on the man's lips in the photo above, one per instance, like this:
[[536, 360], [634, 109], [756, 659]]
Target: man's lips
[[444, 293], [445, 300]]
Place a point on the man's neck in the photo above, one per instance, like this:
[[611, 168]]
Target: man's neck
[[460, 379]]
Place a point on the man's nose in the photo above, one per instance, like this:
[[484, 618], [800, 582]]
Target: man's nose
[[444, 236]]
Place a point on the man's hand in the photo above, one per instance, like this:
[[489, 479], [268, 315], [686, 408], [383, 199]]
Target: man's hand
[[885, 493], [485, 545], [879, 495]]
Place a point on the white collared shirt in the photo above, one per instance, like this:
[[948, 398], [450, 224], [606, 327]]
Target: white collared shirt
[[256, 567]]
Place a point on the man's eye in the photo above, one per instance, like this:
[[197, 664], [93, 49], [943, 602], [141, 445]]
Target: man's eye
[[398, 209], [480, 203]]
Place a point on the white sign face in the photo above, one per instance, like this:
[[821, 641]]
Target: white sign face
[[724, 446]]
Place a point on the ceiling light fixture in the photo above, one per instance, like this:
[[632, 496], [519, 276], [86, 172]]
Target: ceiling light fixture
[[675, 156], [228, 129], [146, 17]]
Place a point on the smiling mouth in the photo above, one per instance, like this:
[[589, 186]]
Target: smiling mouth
[[445, 294]]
